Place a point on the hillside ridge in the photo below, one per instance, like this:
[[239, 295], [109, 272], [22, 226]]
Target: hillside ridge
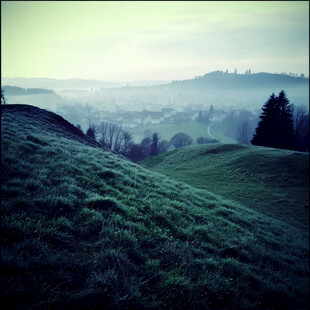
[[272, 181], [49, 122], [83, 228]]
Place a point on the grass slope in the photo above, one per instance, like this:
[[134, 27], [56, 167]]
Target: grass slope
[[272, 181], [82, 228]]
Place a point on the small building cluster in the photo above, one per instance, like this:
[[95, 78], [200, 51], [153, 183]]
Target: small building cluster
[[134, 119]]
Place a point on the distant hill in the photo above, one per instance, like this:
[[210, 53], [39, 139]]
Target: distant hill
[[82, 228], [271, 181], [218, 88], [250, 90], [221, 80], [222, 90], [71, 83], [19, 91], [57, 83], [43, 98]]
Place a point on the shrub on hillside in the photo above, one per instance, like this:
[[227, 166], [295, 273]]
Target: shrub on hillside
[[181, 139]]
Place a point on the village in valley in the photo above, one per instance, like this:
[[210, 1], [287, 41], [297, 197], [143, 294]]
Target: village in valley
[[134, 119]]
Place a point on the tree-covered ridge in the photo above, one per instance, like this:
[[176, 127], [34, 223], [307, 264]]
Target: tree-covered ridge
[[220, 79]]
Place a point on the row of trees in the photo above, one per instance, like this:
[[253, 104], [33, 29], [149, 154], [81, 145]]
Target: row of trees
[[115, 138], [282, 127]]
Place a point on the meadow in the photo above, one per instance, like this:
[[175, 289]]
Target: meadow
[[272, 181], [83, 228], [217, 132], [167, 131]]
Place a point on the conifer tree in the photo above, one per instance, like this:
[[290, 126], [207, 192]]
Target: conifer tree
[[211, 112], [286, 136], [276, 128], [200, 117], [264, 134]]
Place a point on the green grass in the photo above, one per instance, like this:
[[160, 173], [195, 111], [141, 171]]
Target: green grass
[[272, 181], [85, 229], [167, 131]]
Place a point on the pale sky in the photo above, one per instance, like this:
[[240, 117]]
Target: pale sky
[[111, 40]]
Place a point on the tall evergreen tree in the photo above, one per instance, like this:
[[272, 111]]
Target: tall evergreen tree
[[275, 128], [286, 135], [211, 112], [200, 117], [264, 134]]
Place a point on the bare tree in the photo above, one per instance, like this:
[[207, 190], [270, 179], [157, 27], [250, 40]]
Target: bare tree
[[301, 126], [118, 139], [103, 131], [127, 142], [114, 137], [111, 133], [244, 133]]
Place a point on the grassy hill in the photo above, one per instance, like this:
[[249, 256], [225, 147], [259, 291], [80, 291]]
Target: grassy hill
[[221, 80], [272, 181], [82, 228]]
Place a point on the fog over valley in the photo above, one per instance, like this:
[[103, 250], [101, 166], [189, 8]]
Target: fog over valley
[[131, 105]]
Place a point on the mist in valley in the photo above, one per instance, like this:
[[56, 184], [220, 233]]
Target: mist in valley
[[165, 108]]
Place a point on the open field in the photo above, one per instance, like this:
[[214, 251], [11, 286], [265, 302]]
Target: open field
[[83, 228], [167, 131], [272, 181], [216, 131]]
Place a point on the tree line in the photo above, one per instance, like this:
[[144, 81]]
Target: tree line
[[115, 138]]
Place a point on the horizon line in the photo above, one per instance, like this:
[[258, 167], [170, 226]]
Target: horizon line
[[159, 80]]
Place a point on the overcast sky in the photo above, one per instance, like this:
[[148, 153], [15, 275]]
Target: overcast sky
[[152, 40]]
